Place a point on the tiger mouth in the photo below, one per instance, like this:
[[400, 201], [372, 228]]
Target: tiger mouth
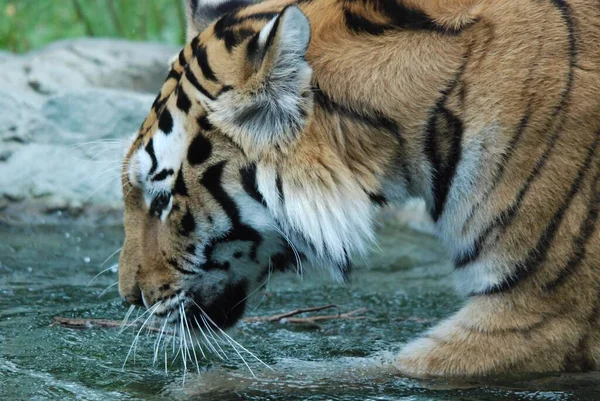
[[225, 310]]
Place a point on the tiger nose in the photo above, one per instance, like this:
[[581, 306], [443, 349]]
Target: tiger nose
[[136, 297]]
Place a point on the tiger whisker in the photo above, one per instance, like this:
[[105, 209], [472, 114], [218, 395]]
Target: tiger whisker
[[191, 340], [212, 335], [135, 321], [208, 343], [103, 263], [151, 310], [269, 272], [252, 293], [157, 344], [107, 288], [127, 315], [102, 186], [111, 267], [299, 267], [182, 342], [234, 344], [108, 140]]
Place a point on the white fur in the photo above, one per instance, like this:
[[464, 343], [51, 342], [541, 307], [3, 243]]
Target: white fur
[[335, 221], [480, 276], [169, 151], [265, 31]]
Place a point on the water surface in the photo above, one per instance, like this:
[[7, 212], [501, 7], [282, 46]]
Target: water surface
[[45, 271]]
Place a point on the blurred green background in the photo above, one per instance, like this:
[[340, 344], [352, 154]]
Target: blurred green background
[[30, 24]]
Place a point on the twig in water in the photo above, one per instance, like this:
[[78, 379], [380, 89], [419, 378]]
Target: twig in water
[[288, 317]]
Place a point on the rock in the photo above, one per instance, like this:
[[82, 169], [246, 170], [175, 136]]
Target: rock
[[84, 63], [68, 113], [96, 114]]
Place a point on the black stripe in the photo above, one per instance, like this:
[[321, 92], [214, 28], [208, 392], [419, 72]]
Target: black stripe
[[188, 223], [587, 228], [443, 125], [234, 38], [180, 188], [165, 121], [279, 185], [150, 150], [228, 21], [253, 52], [173, 75], [248, 175], [537, 255], [371, 117], [359, 24], [378, 199], [272, 34], [164, 173], [194, 43], [430, 149], [183, 101], [211, 180], [202, 59], [224, 88], [173, 263], [199, 150], [445, 175], [192, 79], [398, 17], [159, 203], [410, 19], [204, 124], [181, 58]]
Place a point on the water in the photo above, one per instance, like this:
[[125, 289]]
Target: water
[[45, 271]]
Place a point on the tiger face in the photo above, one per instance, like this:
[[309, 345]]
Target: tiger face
[[207, 213]]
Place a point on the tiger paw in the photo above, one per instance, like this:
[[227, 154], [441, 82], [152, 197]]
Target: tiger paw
[[427, 358]]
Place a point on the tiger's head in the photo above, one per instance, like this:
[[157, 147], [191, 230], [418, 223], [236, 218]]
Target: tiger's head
[[229, 178]]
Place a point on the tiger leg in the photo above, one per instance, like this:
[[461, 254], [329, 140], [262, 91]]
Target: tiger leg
[[491, 335]]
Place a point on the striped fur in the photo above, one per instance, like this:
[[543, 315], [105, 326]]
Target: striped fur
[[296, 120]]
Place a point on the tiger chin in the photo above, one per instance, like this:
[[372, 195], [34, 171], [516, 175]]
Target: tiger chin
[[283, 126]]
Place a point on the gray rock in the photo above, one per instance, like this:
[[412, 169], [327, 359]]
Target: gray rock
[[81, 63], [96, 114], [68, 112]]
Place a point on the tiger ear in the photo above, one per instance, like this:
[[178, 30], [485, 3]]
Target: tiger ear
[[200, 13], [271, 105], [450, 14]]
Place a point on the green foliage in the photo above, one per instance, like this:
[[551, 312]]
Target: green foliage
[[30, 24]]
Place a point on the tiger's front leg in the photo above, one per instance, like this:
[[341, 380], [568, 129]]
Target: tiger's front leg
[[491, 336]]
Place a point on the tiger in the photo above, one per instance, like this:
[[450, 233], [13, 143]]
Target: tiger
[[284, 126]]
